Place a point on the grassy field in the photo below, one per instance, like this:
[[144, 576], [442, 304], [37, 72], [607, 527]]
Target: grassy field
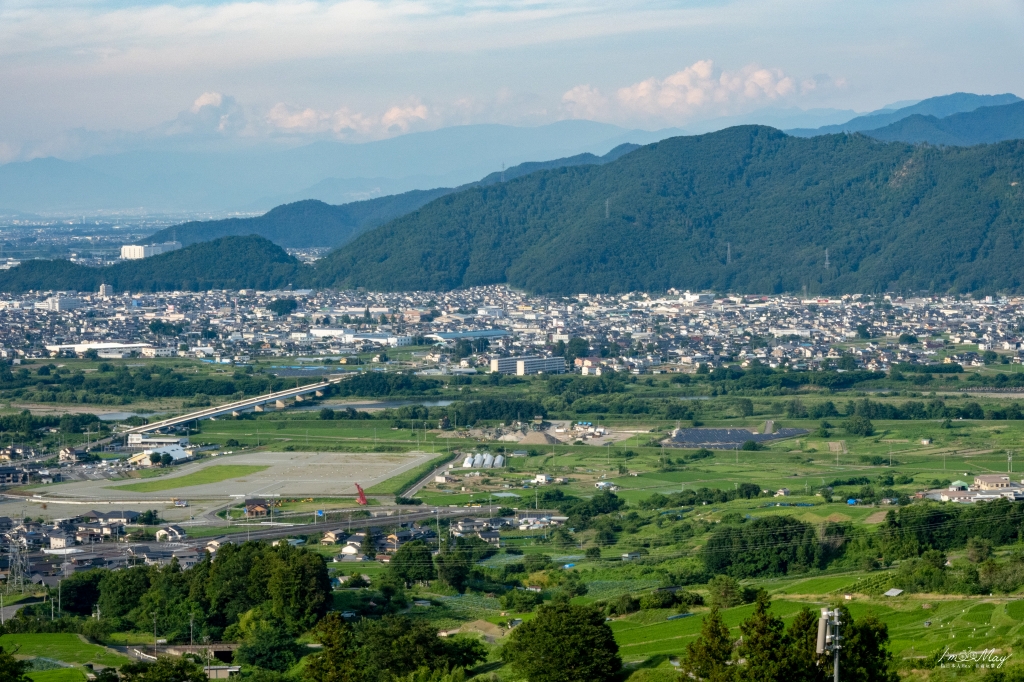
[[65, 647], [62, 675], [212, 474]]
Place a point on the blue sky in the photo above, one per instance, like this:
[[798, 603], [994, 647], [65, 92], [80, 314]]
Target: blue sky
[[82, 77]]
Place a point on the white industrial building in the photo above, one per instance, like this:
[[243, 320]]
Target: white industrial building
[[59, 304], [350, 336], [528, 364], [101, 348], [135, 252]]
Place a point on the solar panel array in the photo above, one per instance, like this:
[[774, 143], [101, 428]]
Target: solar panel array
[[726, 439]]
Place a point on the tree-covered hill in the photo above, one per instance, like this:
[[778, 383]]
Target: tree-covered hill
[[313, 223], [981, 126], [744, 209], [225, 263]]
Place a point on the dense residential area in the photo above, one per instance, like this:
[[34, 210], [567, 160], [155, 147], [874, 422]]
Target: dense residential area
[[637, 333]]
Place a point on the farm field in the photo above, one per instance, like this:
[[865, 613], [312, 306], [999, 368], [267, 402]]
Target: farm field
[[61, 675], [65, 647]]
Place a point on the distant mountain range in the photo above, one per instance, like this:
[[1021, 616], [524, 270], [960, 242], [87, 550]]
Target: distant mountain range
[[939, 107], [744, 209], [313, 223], [981, 126]]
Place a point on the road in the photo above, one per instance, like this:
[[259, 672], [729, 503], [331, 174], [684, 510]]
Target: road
[[411, 492], [407, 515]]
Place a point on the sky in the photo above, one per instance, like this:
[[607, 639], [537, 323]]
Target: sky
[[81, 77]]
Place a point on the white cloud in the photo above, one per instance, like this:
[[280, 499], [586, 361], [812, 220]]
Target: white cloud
[[584, 101], [400, 119], [207, 99], [344, 123], [700, 89], [211, 115]]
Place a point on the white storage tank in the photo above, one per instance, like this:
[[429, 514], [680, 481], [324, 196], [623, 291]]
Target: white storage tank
[[488, 460], [468, 462], [478, 460], [499, 461]]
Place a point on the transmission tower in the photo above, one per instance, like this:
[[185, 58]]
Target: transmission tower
[[728, 253], [826, 259], [829, 638], [18, 572]]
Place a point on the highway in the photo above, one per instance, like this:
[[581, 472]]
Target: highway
[[237, 406]]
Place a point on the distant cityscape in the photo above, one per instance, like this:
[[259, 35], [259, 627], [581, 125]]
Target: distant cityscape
[[474, 328]]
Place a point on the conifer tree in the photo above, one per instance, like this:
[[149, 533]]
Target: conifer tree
[[765, 644], [707, 657]]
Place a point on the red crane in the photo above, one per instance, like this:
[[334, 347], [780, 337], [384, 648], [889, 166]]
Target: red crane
[[362, 496]]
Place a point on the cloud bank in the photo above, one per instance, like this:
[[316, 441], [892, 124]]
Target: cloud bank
[[697, 91]]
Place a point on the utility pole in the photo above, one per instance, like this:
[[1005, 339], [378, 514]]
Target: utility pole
[[828, 638]]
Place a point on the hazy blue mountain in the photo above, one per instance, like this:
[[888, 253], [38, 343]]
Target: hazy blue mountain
[[981, 126], [939, 107], [310, 223], [775, 118], [258, 179]]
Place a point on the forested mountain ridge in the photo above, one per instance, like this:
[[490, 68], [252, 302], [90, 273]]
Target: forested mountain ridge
[[744, 209], [313, 223]]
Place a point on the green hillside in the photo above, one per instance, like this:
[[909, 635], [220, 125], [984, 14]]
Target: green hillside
[[893, 217], [311, 223], [225, 263]]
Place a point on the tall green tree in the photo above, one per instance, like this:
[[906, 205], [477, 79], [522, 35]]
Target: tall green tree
[[708, 656], [804, 662], [865, 656], [453, 568], [765, 645], [413, 562], [120, 591], [564, 643], [79, 592], [336, 661], [268, 646]]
